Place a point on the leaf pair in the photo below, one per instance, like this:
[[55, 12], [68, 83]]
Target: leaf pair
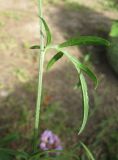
[[82, 40], [79, 66]]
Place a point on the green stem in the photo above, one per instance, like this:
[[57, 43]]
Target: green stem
[[40, 77]]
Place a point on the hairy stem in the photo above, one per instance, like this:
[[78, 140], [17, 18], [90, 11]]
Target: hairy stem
[[40, 77]]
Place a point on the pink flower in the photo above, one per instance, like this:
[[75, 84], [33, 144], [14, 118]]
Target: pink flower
[[50, 141]]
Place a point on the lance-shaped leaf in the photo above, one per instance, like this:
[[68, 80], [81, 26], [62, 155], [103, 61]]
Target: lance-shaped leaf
[[84, 91], [54, 59], [35, 47], [87, 71], [84, 40], [88, 152], [85, 102], [81, 66], [48, 33]]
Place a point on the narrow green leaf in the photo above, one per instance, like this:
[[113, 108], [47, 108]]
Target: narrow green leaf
[[14, 153], [81, 66], [35, 47], [85, 40], [85, 102], [48, 33], [54, 59], [8, 139], [88, 72], [88, 152]]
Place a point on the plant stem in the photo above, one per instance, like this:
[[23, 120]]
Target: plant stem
[[40, 77]]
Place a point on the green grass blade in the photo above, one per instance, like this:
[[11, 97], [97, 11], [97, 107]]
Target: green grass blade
[[84, 40], [12, 152], [85, 102], [88, 152], [54, 59], [9, 138], [48, 33]]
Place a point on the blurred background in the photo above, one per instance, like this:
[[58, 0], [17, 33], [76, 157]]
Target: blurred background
[[61, 103]]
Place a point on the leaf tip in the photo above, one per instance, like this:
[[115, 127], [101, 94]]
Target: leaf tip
[[80, 131], [96, 84]]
